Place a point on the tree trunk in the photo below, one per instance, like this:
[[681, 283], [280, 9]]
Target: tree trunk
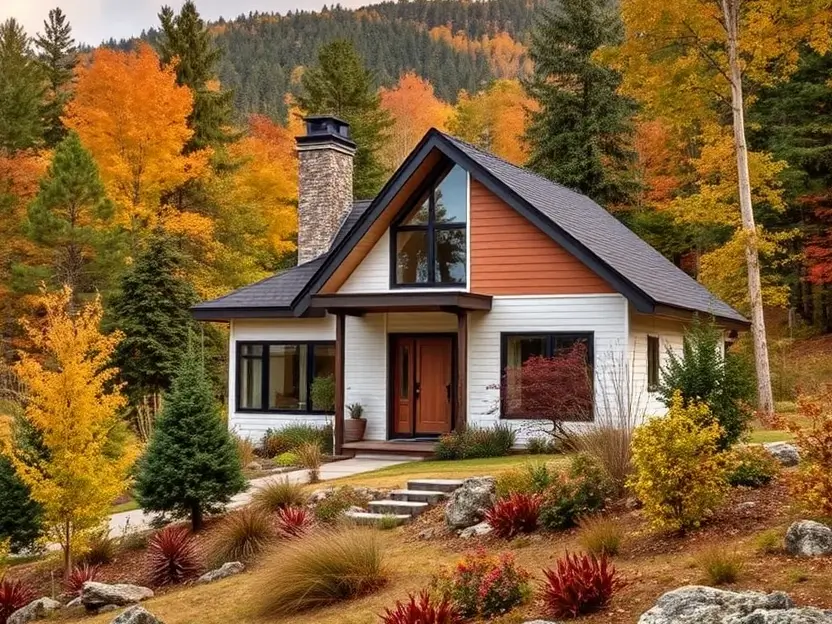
[[765, 401], [196, 516], [67, 548]]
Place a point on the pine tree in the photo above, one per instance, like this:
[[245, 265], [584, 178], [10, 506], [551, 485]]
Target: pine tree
[[69, 215], [21, 90], [581, 134], [341, 85], [152, 310], [191, 466], [20, 516], [58, 58], [186, 40]]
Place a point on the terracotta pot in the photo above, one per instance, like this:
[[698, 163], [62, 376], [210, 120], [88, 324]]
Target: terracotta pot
[[354, 429]]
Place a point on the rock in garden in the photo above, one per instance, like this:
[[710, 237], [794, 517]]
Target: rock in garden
[[137, 615], [254, 465], [483, 528], [320, 495], [106, 609], [807, 538], [707, 605], [96, 595], [469, 503], [35, 610], [75, 602], [787, 454], [227, 569]]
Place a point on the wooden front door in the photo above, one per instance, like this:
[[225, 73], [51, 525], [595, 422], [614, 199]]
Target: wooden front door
[[423, 385]]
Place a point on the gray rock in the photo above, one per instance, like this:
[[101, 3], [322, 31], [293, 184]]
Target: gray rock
[[707, 605], [787, 454], [428, 533], [137, 615], [255, 465], [807, 538], [75, 602], [227, 569], [35, 610], [96, 595], [482, 528], [106, 609], [469, 503]]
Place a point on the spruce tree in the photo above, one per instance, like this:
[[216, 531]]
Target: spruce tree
[[152, 309], [58, 58], [20, 516], [191, 466], [69, 216], [21, 90], [581, 134], [341, 85], [186, 40]]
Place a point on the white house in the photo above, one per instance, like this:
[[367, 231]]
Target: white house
[[463, 266]]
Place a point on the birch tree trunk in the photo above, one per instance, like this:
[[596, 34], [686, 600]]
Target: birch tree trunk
[[765, 402]]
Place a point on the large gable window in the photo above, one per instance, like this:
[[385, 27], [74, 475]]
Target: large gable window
[[429, 241]]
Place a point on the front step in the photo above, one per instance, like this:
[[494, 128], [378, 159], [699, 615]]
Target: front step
[[366, 518], [434, 485], [418, 496], [397, 507]]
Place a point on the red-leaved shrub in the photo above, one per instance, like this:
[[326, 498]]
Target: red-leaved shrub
[[293, 521], [173, 556], [79, 575], [580, 584], [423, 610], [14, 595], [515, 514]]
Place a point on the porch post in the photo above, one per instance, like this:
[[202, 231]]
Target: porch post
[[462, 370], [340, 326]]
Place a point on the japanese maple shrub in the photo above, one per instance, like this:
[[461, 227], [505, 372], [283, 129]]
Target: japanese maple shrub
[[812, 484], [680, 474], [578, 584]]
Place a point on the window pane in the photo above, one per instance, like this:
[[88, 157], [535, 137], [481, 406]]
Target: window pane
[[419, 216], [450, 256], [251, 382], [251, 349], [323, 365], [288, 382], [652, 362], [412, 257], [518, 350], [452, 197]]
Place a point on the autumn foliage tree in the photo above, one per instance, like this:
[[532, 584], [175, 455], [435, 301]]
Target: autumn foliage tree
[[74, 409]]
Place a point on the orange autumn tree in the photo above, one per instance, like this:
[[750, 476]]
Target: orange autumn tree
[[132, 116], [415, 109]]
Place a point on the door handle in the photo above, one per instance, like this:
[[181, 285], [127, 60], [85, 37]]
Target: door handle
[[448, 391], [417, 389]]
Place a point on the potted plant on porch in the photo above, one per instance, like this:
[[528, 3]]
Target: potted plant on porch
[[356, 424]]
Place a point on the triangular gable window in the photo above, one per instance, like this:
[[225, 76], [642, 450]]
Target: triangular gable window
[[430, 240]]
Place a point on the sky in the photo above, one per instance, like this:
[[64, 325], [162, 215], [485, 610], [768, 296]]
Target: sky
[[94, 21]]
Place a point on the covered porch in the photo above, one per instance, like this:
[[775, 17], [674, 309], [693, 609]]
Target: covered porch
[[425, 378]]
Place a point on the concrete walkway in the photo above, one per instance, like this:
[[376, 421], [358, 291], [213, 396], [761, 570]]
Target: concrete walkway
[[139, 520]]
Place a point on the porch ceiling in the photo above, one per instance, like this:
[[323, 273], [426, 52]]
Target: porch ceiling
[[433, 301]]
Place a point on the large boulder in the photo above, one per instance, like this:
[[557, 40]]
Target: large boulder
[[469, 503], [227, 569], [787, 454], [35, 610], [707, 605], [136, 615], [96, 595], [807, 538]]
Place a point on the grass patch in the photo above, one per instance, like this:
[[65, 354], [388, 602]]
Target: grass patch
[[241, 536], [720, 566], [599, 535], [129, 505], [278, 494]]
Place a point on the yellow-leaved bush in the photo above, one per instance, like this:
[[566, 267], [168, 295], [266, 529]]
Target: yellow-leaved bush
[[679, 473]]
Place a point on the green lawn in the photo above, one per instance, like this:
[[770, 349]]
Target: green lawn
[[761, 436], [129, 505]]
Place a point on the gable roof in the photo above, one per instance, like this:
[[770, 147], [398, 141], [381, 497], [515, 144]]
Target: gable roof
[[645, 277]]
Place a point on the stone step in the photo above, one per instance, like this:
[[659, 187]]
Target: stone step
[[418, 496], [397, 507], [434, 485], [367, 518]]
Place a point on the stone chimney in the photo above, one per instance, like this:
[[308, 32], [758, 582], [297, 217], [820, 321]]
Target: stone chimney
[[325, 156]]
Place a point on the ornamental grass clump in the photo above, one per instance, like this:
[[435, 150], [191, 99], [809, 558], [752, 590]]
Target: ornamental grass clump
[[173, 556], [74, 581], [579, 584], [599, 535], [323, 569], [242, 535], [719, 565], [423, 609], [680, 474], [278, 494], [14, 595], [514, 515], [294, 521]]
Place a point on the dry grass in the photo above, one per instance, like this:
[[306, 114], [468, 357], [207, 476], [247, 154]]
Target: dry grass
[[241, 536], [600, 535], [326, 568], [245, 450], [311, 457], [720, 566], [279, 494]]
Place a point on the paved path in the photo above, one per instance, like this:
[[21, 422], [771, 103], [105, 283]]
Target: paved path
[[138, 519]]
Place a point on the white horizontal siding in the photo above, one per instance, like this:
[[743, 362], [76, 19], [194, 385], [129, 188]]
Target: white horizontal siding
[[604, 315], [373, 274], [253, 425], [365, 370]]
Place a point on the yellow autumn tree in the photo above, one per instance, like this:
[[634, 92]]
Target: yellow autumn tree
[[415, 109], [73, 406], [132, 116]]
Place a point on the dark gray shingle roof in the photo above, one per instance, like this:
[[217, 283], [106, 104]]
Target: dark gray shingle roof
[[604, 236]]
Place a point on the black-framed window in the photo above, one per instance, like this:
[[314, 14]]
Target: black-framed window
[[652, 363], [429, 242], [278, 376], [517, 348]]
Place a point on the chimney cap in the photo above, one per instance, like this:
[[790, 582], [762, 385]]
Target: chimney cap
[[325, 130]]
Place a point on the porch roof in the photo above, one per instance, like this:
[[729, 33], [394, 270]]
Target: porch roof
[[428, 301]]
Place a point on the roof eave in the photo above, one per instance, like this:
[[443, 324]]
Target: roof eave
[[224, 315]]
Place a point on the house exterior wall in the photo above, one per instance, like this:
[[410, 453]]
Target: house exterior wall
[[373, 274]]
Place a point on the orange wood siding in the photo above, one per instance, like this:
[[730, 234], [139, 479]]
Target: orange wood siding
[[510, 256]]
